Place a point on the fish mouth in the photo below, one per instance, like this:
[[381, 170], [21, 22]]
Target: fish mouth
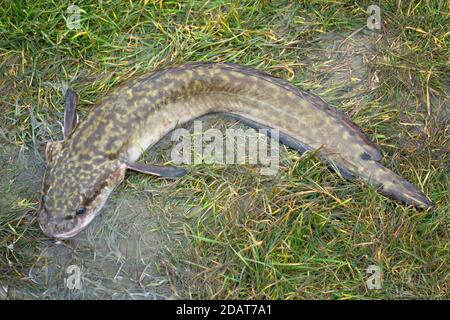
[[62, 235], [50, 228]]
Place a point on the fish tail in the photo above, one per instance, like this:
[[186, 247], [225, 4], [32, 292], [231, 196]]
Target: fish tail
[[393, 185]]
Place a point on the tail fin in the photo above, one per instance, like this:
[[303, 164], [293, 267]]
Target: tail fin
[[388, 183], [397, 188]]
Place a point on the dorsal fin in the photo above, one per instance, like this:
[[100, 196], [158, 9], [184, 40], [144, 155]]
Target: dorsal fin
[[318, 102]]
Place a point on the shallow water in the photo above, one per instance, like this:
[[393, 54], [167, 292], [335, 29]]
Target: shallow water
[[115, 256]]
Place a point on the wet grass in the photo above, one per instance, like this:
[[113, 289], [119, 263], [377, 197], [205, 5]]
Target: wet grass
[[226, 231]]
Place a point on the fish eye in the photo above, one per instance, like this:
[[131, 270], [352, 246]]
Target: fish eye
[[81, 210]]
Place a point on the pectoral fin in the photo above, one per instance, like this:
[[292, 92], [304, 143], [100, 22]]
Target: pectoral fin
[[70, 112], [160, 171]]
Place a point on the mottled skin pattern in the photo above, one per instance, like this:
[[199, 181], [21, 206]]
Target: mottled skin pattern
[[83, 169]]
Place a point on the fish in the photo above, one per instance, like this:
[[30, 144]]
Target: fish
[[90, 162]]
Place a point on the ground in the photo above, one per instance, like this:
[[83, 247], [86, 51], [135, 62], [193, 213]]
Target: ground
[[225, 231]]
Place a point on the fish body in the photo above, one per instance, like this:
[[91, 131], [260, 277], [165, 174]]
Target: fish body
[[83, 169]]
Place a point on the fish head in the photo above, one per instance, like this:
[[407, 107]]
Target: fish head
[[75, 187]]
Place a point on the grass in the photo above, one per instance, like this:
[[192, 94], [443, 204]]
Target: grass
[[226, 231]]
